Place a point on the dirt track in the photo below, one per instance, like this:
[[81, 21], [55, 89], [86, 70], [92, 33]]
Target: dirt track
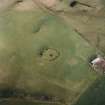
[[4, 4], [26, 4]]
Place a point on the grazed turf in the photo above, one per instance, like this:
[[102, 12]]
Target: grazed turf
[[24, 34]]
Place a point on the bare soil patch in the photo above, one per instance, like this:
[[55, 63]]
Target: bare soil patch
[[49, 3], [25, 5]]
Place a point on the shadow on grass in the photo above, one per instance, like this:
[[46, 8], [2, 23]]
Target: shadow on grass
[[9, 94], [94, 95]]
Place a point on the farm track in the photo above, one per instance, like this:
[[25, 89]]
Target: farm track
[[5, 4]]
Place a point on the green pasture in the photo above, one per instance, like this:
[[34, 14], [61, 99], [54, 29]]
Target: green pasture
[[24, 36]]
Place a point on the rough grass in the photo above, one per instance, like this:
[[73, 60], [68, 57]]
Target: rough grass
[[23, 102], [94, 95], [23, 34]]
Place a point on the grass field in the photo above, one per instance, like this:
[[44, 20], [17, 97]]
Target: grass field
[[23, 36], [94, 95]]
